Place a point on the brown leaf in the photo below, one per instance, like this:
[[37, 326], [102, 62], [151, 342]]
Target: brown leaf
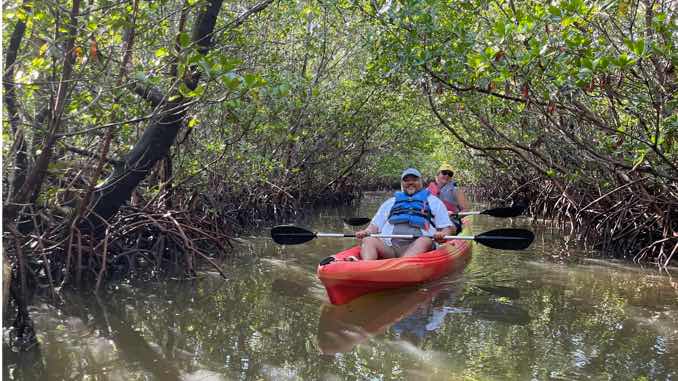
[[590, 86], [93, 49], [77, 53], [525, 90]]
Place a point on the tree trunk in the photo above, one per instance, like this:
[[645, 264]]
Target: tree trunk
[[156, 140], [19, 146]]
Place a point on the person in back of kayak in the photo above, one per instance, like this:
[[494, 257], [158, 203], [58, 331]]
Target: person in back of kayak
[[413, 211], [445, 188]]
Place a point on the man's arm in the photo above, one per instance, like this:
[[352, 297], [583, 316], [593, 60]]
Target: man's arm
[[378, 220]]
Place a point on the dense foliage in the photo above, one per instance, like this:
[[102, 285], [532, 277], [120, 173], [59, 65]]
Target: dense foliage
[[229, 112], [570, 104], [139, 135]]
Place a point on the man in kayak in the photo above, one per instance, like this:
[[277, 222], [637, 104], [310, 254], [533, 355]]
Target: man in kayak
[[412, 211], [445, 188]]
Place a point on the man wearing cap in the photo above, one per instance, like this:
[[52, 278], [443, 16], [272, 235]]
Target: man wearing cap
[[413, 211]]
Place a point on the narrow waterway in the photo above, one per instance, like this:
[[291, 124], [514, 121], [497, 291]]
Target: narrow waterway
[[509, 315]]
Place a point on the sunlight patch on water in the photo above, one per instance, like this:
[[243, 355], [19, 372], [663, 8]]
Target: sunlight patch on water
[[203, 375], [426, 364]]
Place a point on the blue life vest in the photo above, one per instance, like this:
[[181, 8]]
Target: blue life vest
[[413, 210]]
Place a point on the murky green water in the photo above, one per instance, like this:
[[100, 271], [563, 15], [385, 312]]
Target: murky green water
[[507, 316]]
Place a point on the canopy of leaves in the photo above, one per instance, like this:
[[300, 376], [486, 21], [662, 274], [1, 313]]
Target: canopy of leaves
[[568, 104], [571, 104]]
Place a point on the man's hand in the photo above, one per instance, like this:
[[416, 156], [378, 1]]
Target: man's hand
[[439, 236], [371, 229], [360, 234]]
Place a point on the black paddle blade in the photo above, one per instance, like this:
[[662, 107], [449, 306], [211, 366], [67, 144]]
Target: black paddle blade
[[291, 235], [357, 221], [506, 212], [506, 239]]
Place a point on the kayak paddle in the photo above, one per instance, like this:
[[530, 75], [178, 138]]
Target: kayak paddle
[[505, 239]]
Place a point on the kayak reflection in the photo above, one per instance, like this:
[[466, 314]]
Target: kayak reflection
[[409, 312]]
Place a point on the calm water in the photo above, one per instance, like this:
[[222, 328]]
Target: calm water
[[507, 316]]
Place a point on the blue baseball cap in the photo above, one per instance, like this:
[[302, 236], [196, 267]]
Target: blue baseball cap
[[410, 171]]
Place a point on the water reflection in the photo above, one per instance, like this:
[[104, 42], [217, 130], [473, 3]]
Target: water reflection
[[506, 316], [342, 327], [412, 314]]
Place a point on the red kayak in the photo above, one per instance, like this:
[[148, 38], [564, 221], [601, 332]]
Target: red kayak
[[346, 280]]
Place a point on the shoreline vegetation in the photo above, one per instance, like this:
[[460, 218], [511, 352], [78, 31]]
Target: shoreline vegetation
[[140, 137]]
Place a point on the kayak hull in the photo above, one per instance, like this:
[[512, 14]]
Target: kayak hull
[[346, 280]]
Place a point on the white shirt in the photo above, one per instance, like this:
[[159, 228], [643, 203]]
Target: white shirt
[[440, 217]]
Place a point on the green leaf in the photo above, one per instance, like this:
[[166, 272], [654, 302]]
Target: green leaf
[[140, 76], [162, 52], [199, 91], [624, 61], [657, 140], [284, 90], [38, 62], [184, 90], [231, 80], [228, 64], [587, 63], [500, 28], [567, 21], [194, 58], [206, 67], [21, 14], [184, 39], [193, 122], [555, 11], [640, 158], [250, 80], [601, 63], [639, 47]]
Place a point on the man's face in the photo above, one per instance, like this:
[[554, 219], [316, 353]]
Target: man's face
[[411, 184]]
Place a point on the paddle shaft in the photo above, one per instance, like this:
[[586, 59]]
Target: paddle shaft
[[402, 236]]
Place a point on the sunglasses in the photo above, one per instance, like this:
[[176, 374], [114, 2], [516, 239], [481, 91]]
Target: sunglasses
[[448, 173]]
